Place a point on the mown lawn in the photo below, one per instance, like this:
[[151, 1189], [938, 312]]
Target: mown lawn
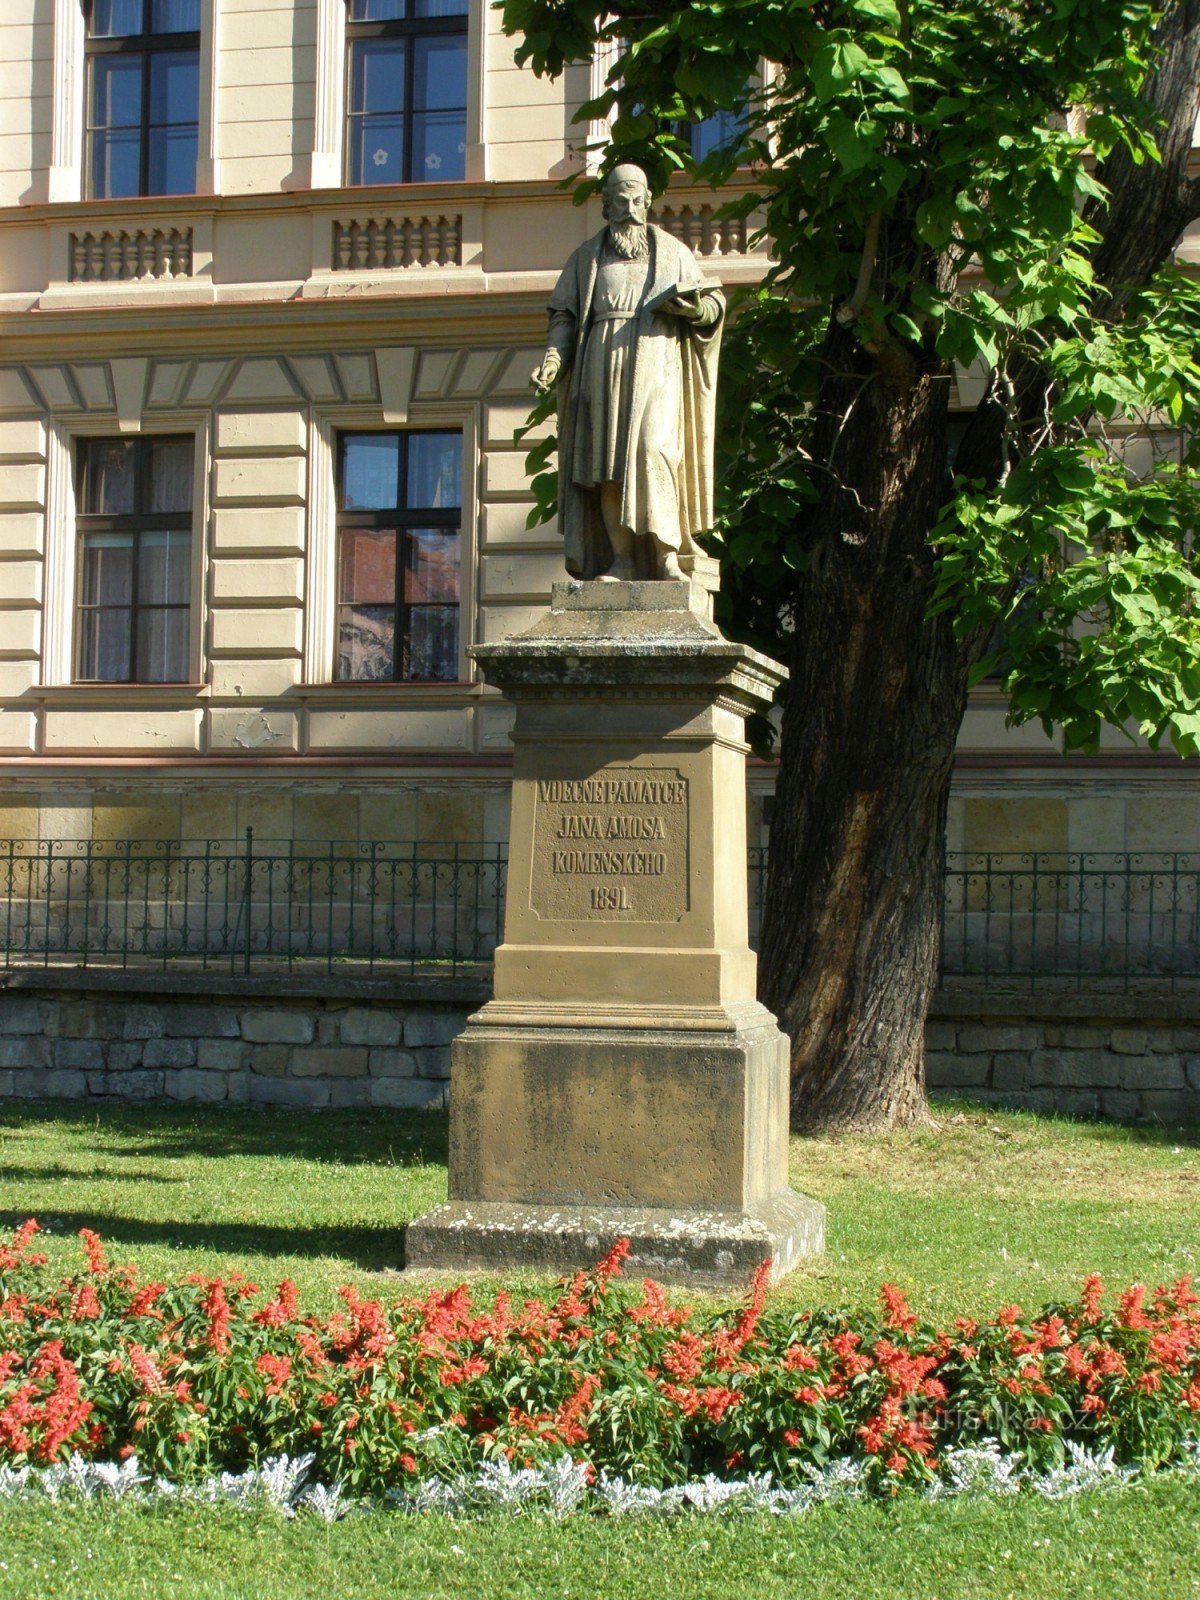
[[982, 1209], [1140, 1543], [979, 1210]]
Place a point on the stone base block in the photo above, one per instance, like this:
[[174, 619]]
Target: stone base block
[[704, 1249], [626, 1117]]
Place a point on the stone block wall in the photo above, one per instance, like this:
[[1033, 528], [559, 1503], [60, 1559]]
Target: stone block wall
[[1129, 1057], [299, 1049], [347, 1042]]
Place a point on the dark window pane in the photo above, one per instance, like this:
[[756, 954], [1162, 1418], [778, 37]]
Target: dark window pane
[[172, 165], [175, 16], [377, 75], [164, 563], [434, 471], [170, 468], [367, 567], [108, 569], [440, 73], [115, 19], [432, 570], [116, 165], [117, 91], [376, 10], [439, 133], [370, 471], [108, 477], [366, 642], [440, 8], [174, 87], [104, 645], [715, 132], [431, 649], [377, 150], [162, 645], [439, 147]]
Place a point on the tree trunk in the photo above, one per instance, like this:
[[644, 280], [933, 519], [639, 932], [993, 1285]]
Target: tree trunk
[[877, 693]]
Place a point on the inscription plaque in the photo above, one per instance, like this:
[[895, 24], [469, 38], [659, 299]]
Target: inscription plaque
[[611, 847]]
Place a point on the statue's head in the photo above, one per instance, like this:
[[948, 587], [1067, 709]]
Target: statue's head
[[626, 195]]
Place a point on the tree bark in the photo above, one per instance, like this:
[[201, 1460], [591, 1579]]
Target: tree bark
[[877, 694]]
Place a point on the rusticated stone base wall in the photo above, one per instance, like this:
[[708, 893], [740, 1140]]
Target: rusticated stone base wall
[[347, 1042], [289, 1047], [1131, 1057]]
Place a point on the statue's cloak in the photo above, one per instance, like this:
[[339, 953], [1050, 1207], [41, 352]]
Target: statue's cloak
[[667, 489]]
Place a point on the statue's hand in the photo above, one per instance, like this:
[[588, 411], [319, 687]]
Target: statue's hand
[[545, 376], [690, 308]]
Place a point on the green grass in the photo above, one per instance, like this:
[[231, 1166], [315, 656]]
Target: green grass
[[1140, 1542], [978, 1210]]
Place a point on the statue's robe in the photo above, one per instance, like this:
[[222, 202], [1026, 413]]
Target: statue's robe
[[671, 406]]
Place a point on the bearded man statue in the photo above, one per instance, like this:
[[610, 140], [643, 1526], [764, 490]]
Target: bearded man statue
[[635, 335]]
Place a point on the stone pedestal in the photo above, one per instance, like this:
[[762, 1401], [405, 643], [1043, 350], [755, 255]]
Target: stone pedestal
[[624, 1081]]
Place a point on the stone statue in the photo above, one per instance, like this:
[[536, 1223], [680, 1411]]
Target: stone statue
[[635, 334]]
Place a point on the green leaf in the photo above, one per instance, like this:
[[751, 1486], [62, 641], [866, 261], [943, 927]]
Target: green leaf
[[835, 66]]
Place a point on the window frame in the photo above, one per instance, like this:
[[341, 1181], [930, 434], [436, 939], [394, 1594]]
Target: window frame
[[135, 523], [408, 28], [401, 520], [147, 45]]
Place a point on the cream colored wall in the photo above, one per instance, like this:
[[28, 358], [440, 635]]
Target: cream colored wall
[[527, 119], [265, 69], [261, 342], [263, 664], [26, 49], [266, 74]]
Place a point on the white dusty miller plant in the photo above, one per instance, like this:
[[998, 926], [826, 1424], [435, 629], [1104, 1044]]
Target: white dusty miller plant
[[562, 1487]]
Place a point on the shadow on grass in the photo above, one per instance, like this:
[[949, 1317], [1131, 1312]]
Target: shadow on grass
[[372, 1249], [337, 1137], [14, 1172], [1103, 1131]]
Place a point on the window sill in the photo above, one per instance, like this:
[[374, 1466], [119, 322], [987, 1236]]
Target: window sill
[[352, 688], [128, 693]]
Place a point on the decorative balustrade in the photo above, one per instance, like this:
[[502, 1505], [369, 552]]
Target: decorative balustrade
[[396, 242], [702, 231], [128, 256]]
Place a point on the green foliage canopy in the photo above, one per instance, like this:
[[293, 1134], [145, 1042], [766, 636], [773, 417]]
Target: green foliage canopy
[[924, 182]]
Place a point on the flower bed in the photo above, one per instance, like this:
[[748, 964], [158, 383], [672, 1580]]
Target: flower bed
[[213, 1376]]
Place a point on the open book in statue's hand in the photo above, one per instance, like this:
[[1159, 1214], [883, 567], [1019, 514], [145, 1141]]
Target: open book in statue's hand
[[677, 302]]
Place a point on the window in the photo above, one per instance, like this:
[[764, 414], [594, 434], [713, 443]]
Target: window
[[713, 133], [407, 74], [135, 559], [143, 97], [399, 550]]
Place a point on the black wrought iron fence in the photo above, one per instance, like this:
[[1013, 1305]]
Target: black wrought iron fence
[[1117, 919], [251, 906]]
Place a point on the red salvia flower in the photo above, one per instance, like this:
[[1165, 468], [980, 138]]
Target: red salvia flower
[[896, 1311], [85, 1304], [94, 1250], [150, 1379], [1093, 1291], [281, 1310], [216, 1308], [609, 1266]]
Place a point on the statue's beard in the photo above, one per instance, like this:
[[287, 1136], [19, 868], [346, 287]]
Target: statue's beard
[[629, 240]]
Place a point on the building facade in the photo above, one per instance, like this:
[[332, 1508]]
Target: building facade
[[273, 277]]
